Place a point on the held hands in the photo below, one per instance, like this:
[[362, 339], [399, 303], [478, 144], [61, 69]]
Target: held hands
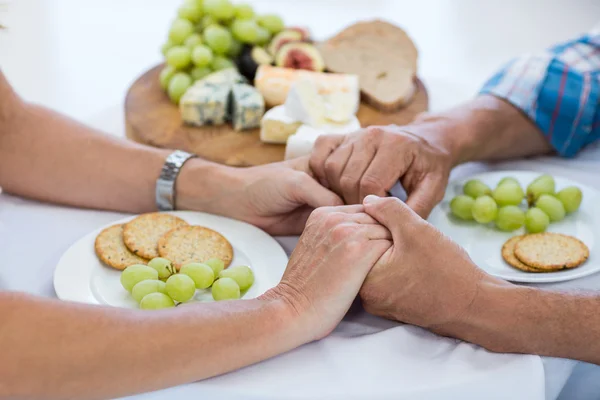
[[372, 160], [335, 253], [424, 279]]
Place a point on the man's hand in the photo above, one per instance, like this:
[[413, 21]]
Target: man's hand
[[276, 197], [335, 253], [372, 160], [425, 279]]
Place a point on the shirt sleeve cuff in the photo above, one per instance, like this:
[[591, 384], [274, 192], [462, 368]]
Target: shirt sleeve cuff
[[560, 100]]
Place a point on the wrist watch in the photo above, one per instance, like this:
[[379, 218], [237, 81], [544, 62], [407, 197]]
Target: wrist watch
[[165, 185]]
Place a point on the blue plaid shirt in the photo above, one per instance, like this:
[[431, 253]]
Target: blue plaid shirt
[[559, 90]]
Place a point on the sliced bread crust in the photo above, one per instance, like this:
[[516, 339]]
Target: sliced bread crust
[[384, 57]]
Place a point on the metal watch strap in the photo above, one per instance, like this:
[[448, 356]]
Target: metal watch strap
[[165, 185]]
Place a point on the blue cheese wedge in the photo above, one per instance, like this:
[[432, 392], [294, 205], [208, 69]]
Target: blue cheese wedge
[[205, 104], [247, 106]]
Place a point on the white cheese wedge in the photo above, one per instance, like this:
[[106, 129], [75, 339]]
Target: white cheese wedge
[[302, 142], [274, 83], [305, 104], [277, 127], [317, 106]]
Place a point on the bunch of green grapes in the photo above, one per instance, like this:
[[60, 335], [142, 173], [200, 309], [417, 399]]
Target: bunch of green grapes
[[505, 204], [207, 36], [158, 285]]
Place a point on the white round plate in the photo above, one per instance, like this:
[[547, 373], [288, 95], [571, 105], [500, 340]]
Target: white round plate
[[81, 277], [484, 243]]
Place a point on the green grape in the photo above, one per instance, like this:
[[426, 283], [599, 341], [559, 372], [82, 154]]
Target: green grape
[[216, 264], [190, 10], [136, 273], [156, 301], [165, 76], [198, 73], [193, 40], [244, 11], [179, 84], [508, 194], [207, 21], [264, 36], [179, 57], [235, 49], [220, 9], [180, 287], [217, 38], [148, 286], [273, 23], [508, 179], [163, 266], [476, 188], [220, 62], [225, 289], [510, 218], [551, 206], [202, 275], [202, 55], [246, 31], [541, 185], [484, 209], [536, 220], [571, 198], [462, 206], [165, 47], [180, 30], [241, 274]]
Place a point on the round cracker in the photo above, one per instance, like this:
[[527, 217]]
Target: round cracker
[[550, 251], [111, 250], [508, 254], [141, 234], [194, 244]]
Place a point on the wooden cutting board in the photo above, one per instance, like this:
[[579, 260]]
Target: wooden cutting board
[[152, 119]]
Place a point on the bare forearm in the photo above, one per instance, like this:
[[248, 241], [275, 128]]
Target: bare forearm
[[515, 319], [484, 129], [48, 157], [64, 350]]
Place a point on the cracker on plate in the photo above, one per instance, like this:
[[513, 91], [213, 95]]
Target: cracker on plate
[[111, 250], [551, 251], [141, 234], [508, 254], [194, 244]]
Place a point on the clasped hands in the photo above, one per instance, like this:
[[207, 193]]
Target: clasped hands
[[403, 268]]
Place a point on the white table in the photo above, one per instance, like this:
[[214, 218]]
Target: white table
[[79, 56]]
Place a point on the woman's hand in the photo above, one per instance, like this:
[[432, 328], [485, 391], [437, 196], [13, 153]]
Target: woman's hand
[[275, 197], [335, 253]]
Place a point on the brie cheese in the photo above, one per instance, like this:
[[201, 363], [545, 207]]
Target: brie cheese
[[276, 126]]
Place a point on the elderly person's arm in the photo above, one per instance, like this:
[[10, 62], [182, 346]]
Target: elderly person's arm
[[49, 157], [534, 105], [445, 292]]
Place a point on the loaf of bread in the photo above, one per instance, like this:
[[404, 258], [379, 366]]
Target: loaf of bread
[[382, 55]]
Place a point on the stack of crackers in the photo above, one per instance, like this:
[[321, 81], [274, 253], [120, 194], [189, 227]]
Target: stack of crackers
[[160, 235], [544, 252]]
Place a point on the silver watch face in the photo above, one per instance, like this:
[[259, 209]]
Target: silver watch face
[[165, 185]]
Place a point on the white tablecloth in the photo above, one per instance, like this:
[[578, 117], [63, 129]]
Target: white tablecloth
[[366, 357]]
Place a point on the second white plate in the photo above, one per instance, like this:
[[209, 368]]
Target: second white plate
[[484, 243], [81, 277]]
